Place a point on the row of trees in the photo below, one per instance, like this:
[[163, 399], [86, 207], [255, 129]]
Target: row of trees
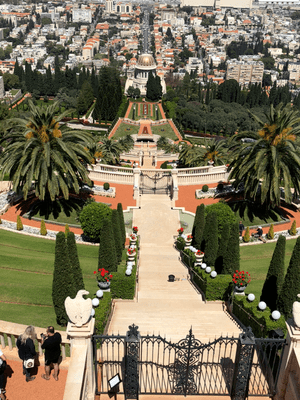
[[280, 290], [215, 231]]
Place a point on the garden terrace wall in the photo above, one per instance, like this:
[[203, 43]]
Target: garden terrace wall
[[109, 173], [199, 175]]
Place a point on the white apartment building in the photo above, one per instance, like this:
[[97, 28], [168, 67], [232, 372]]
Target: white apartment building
[[82, 15], [245, 72]]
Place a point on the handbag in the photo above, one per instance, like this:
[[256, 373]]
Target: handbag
[[29, 363]]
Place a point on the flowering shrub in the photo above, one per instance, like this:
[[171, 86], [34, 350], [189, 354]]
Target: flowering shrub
[[103, 275], [189, 237], [199, 253], [135, 229], [180, 231], [130, 252], [241, 278], [133, 236]]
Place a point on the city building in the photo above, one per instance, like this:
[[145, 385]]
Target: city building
[[245, 72]]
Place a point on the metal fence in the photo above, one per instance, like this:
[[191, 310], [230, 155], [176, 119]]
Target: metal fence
[[235, 367]]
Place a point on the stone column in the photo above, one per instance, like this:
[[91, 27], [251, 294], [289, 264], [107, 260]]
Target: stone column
[[288, 378], [175, 183], [81, 374], [136, 183]]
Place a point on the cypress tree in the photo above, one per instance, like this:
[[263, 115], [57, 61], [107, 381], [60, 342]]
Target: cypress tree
[[107, 250], [222, 248], [74, 262], [117, 234], [275, 275], [122, 223], [231, 258], [63, 283], [291, 284], [210, 236], [198, 226]]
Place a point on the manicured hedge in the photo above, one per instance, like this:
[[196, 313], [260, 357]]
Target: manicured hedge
[[102, 313], [188, 258], [123, 286], [218, 288], [262, 317], [180, 243]]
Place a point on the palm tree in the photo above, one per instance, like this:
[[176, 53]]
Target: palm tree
[[42, 152], [199, 155], [270, 159], [110, 151]]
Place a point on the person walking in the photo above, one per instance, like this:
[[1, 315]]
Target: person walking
[[51, 344], [2, 378], [26, 350]]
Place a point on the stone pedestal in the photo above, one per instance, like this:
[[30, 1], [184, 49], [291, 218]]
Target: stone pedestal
[[175, 183], [289, 375], [81, 376]]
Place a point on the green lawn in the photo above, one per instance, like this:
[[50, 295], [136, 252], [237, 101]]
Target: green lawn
[[256, 260], [126, 129], [164, 130], [26, 277]]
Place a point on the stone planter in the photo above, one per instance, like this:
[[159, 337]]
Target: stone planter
[[104, 285], [199, 258], [188, 243], [131, 257], [240, 290]]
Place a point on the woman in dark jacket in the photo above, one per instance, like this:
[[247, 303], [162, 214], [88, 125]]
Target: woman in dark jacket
[[25, 344]]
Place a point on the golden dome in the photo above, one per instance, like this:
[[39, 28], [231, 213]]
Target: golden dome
[[146, 60]]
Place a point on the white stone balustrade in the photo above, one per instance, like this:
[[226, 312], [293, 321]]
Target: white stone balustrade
[[11, 331]]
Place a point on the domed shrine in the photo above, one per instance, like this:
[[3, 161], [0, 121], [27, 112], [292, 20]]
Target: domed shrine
[[138, 77]]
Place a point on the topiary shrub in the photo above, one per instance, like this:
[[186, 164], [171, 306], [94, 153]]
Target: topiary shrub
[[274, 280], [122, 223], [270, 234], [241, 306], [210, 239], [106, 186], [117, 235], [204, 188], [198, 227], [293, 230], [43, 230], [91, 219], [19, 223], [291, 284], [232, 254], [225, 215], [107, 250], [67, 230], [222, 248], [164, 165], [0, 221], [74, 262], [246, 237], [63, 282]]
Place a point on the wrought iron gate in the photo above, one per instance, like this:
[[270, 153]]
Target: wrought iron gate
[[153, 365], [155, 182]]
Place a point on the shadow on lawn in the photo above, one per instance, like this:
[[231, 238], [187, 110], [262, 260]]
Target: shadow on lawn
[[253, 210], [45, 208]]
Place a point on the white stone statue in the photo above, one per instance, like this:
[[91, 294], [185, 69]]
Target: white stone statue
[[79, 309], [296, 313]]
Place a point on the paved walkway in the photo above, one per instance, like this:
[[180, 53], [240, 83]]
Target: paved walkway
[[166, 308]]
